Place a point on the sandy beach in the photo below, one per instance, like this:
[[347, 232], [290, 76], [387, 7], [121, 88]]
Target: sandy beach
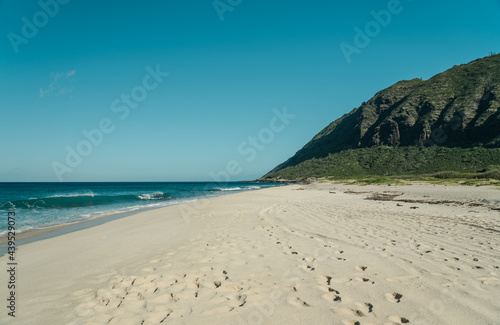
[[302, 254]]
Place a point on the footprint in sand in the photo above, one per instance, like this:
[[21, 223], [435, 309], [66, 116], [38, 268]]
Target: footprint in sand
[[160, 300], [218, 310], [357, 281], [165, 283], [490, 280], [126, 318], [237, 300], [180, 312], [352, 312], [332, 297], [176, 288], [308, 259], [328, 289], [157, 317], [296, 301], [308, 267], [365, 307], [393, 297], [351, 282], [230, 288], [134, 303], [145, 288], [351, 322], [399, 320], [341, 280]]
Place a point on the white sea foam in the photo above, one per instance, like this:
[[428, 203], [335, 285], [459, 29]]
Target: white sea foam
[[90, 193], [153, 196], [67, 205]]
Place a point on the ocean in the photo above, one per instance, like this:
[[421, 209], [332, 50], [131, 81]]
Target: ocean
[[42, 205]]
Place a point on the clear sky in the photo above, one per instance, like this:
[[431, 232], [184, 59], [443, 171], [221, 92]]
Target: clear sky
[[83, 65]]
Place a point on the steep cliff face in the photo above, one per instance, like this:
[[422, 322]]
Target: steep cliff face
[[457, 108]]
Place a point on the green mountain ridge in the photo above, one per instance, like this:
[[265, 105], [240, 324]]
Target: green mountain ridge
[[438, 120]]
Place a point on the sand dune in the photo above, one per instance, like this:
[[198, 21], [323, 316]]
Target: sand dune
[[315, 254]]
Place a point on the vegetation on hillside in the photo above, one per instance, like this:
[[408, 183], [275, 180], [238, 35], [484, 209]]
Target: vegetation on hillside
[[450, 122], [440, 162]]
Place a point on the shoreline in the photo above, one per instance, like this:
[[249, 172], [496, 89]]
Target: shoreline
[[319, 253], [32, 235]]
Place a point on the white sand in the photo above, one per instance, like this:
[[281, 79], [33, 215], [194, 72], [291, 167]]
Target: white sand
[[289, 255]]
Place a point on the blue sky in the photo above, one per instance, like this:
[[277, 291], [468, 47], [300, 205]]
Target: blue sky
[[231, 67]]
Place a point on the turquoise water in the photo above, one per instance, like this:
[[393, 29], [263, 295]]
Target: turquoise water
[[41, 205]]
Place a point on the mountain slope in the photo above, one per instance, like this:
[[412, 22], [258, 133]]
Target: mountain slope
[[458, 109]]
